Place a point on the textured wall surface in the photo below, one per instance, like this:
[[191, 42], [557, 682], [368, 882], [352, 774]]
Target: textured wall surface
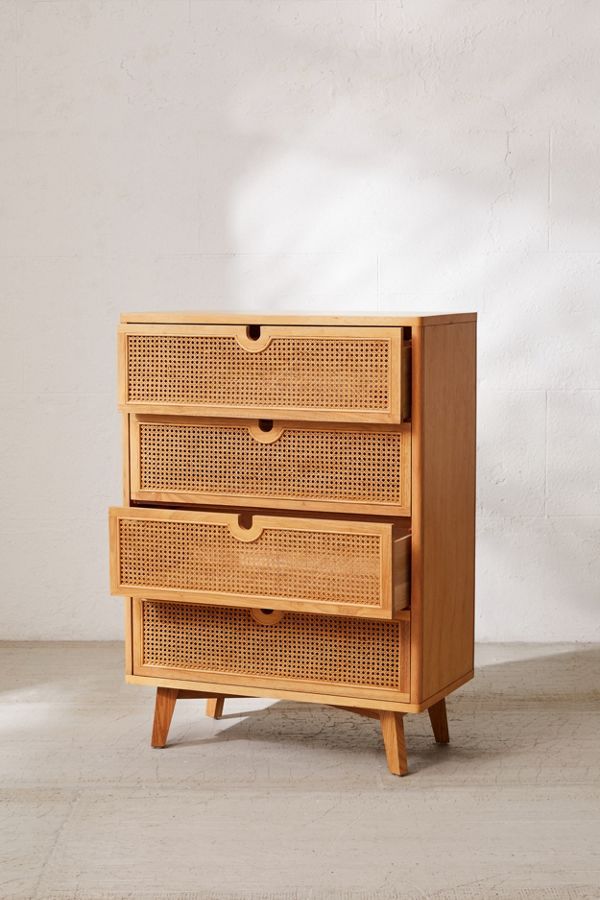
[[302, 155]]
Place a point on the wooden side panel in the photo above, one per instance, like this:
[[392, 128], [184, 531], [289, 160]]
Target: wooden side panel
[[401, 573], [128, 613], [447, 514], [416, 543]]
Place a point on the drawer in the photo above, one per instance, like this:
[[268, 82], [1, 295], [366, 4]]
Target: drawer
[[295, 651], [347, 468], [341, 374], [313, 565]]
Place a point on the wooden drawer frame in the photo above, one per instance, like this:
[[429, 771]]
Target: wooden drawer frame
[[436, 392], [279, 683], [270, 500], [396, 411], [393, 565]]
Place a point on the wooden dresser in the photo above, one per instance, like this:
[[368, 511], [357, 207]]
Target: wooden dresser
[[298, 511]]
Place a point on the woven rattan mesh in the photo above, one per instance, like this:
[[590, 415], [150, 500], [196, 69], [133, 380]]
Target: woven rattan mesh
[[303, 463], [326, 649], [307, 565], [311, 372]]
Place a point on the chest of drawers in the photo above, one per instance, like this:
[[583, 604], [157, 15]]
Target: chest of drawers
[[298, 511]]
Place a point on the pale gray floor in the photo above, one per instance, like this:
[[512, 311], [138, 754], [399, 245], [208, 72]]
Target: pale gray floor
[[288, 800]]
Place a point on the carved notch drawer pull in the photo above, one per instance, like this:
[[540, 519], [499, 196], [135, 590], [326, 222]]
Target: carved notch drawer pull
[[253, 339], [265, 431], [267, 616]]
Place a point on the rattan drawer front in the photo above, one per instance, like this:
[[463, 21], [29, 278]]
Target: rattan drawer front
[[336, 567], [353, 468], [336, 374], [301, 651]]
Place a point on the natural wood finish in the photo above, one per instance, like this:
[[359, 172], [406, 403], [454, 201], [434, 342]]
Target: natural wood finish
[[356, 466], [184, 694], [439, 722], [272, 683], [445, 566], [416, 522], [406, 377], [411, 498], [280, 405], [392, 729], [267, 616], [189, 317], [163, 713], [388, 588], [128, 616], [194, 695], [125, 443], [214, 707], [294, 692], [399, 567], [128, 611], [448, 689]]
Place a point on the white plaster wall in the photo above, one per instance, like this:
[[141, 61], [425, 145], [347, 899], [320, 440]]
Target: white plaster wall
[[309, 155]]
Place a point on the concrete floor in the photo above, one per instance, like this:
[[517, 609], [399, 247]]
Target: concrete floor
[[282, 800]]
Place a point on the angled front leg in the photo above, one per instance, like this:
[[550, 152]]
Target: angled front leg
[[166, 699], [392, 729], [439, 722]]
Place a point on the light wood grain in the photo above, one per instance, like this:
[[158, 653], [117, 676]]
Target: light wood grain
[[125, 442], [163, 713], [425, 562], [202, 695], [288, 471], [416, 522], [308, 686], [271, 686], [392, 729], [392, 554], [447, 460], [447, 689], [193, 317], [400, 574], [128, 618], [294, 692], [439, 722], [298, 694], [281, 406], [214, 707], [128, 611]]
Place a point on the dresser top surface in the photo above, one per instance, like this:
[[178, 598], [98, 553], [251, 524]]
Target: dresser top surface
[[195, 317]]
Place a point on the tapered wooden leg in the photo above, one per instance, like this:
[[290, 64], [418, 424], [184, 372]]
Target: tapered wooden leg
[[439, 722], [214, 707], [392, 728], [166, 699]]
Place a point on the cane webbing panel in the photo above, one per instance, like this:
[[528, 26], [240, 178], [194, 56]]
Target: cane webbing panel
[[282, 562], [305, 647], [291, 372], [302, 463]]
